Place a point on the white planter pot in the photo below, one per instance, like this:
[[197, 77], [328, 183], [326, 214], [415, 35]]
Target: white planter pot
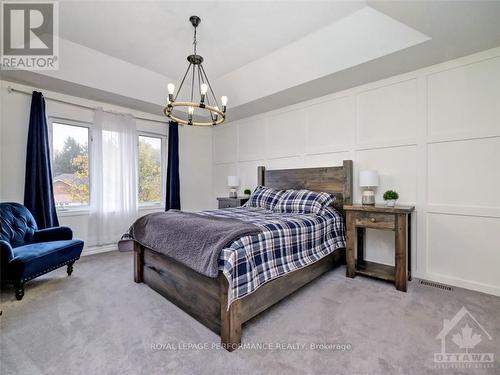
[[390, 202]]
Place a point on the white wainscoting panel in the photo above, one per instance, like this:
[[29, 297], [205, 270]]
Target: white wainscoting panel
[[327, 160], [285, 134], [464, 248], [251, 143], [465, 99], [397, 168], [330, 126], [464, 173], [225, 143], [286, 163], [248, 174], [387, 113], [220, 179]]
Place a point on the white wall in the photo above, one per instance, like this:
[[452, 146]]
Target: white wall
[[433, 135], [195, 152]]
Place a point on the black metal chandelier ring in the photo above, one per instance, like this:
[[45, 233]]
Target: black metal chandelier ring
[[215, 113]]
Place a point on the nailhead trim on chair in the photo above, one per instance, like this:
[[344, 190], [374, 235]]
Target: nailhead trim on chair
[[46, 270]]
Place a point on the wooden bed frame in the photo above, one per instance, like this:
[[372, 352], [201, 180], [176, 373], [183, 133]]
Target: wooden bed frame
[[205, 299]]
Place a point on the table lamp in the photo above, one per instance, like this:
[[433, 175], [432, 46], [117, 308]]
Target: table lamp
[[233, 182], [368, 181]]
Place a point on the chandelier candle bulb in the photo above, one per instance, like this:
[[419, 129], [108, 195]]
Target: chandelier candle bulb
[[190, 115], [203, 91], [171, 90], [216, 116], [223, 100]]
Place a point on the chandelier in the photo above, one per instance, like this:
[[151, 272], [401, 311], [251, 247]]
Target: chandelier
[[200, 88]]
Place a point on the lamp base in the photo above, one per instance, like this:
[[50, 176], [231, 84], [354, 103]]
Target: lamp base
[[368, 198], [233, 193]]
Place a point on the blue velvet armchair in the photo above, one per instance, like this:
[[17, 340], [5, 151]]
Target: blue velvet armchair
[[26, 252]]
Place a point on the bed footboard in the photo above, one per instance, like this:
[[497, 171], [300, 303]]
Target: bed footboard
[[230, 334], [205, 299]]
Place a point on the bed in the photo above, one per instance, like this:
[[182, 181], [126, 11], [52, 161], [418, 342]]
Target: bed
[[224, 306]]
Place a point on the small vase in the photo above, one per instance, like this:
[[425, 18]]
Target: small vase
[[390, 202]]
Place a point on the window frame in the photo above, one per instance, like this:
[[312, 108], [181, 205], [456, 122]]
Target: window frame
[[163, 170], [84, 208]]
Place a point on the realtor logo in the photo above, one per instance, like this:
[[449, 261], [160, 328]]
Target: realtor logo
[[463, 332], [29, 35]]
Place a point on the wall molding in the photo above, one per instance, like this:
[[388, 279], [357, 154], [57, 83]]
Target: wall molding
[[403, 159]]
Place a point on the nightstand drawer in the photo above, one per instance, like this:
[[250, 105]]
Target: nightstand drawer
[[228, 203], [375, 220]]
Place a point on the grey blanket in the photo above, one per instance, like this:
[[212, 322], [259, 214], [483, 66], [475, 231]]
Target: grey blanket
[[193, 240]]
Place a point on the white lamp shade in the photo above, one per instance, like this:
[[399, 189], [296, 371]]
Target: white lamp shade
[[233, 181], [368, 179]]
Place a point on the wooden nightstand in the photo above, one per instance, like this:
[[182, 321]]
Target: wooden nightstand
[[397, 219], [226, 202]]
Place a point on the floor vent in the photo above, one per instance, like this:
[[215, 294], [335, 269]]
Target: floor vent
[[436, 285]]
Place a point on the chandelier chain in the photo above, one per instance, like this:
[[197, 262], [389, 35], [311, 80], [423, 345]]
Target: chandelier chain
[[194, 41]]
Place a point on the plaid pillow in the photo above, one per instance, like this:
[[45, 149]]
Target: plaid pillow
[[303, 201], [264, 197]]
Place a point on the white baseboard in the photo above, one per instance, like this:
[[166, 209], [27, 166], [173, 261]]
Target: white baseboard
[[99, 249]]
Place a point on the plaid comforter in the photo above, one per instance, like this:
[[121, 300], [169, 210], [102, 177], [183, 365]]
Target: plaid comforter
[[288, 241]]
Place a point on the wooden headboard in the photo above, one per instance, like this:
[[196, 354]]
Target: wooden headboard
[[333, 180]]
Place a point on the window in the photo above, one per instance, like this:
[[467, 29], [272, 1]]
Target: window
[[70, 166], [150, 170]]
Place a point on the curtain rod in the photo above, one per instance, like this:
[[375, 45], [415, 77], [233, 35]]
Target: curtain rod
[[11, 89]]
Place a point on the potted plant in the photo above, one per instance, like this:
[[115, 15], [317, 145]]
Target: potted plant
[[390, 197], [247, 193]]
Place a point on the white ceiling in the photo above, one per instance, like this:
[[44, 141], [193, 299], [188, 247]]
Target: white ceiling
[[263, 55], [157, 35]]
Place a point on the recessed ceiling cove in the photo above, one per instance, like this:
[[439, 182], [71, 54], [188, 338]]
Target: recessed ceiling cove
[[154, 34]]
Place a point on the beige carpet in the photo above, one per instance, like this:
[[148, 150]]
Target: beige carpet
[[98, 321]]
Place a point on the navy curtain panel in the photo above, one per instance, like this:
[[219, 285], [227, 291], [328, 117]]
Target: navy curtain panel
[[173, 198], [38, 193]]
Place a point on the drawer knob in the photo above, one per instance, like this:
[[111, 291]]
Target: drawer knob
[[372, 219]]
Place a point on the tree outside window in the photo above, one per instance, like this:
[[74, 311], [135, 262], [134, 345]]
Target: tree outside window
[[150, 184], [70, 167]]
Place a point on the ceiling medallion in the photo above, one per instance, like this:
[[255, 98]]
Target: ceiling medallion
[[200, 86]]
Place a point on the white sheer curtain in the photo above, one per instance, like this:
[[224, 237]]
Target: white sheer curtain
[[114, 176]]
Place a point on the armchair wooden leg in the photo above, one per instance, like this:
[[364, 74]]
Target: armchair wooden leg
[[70, 269], [19, 291]]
